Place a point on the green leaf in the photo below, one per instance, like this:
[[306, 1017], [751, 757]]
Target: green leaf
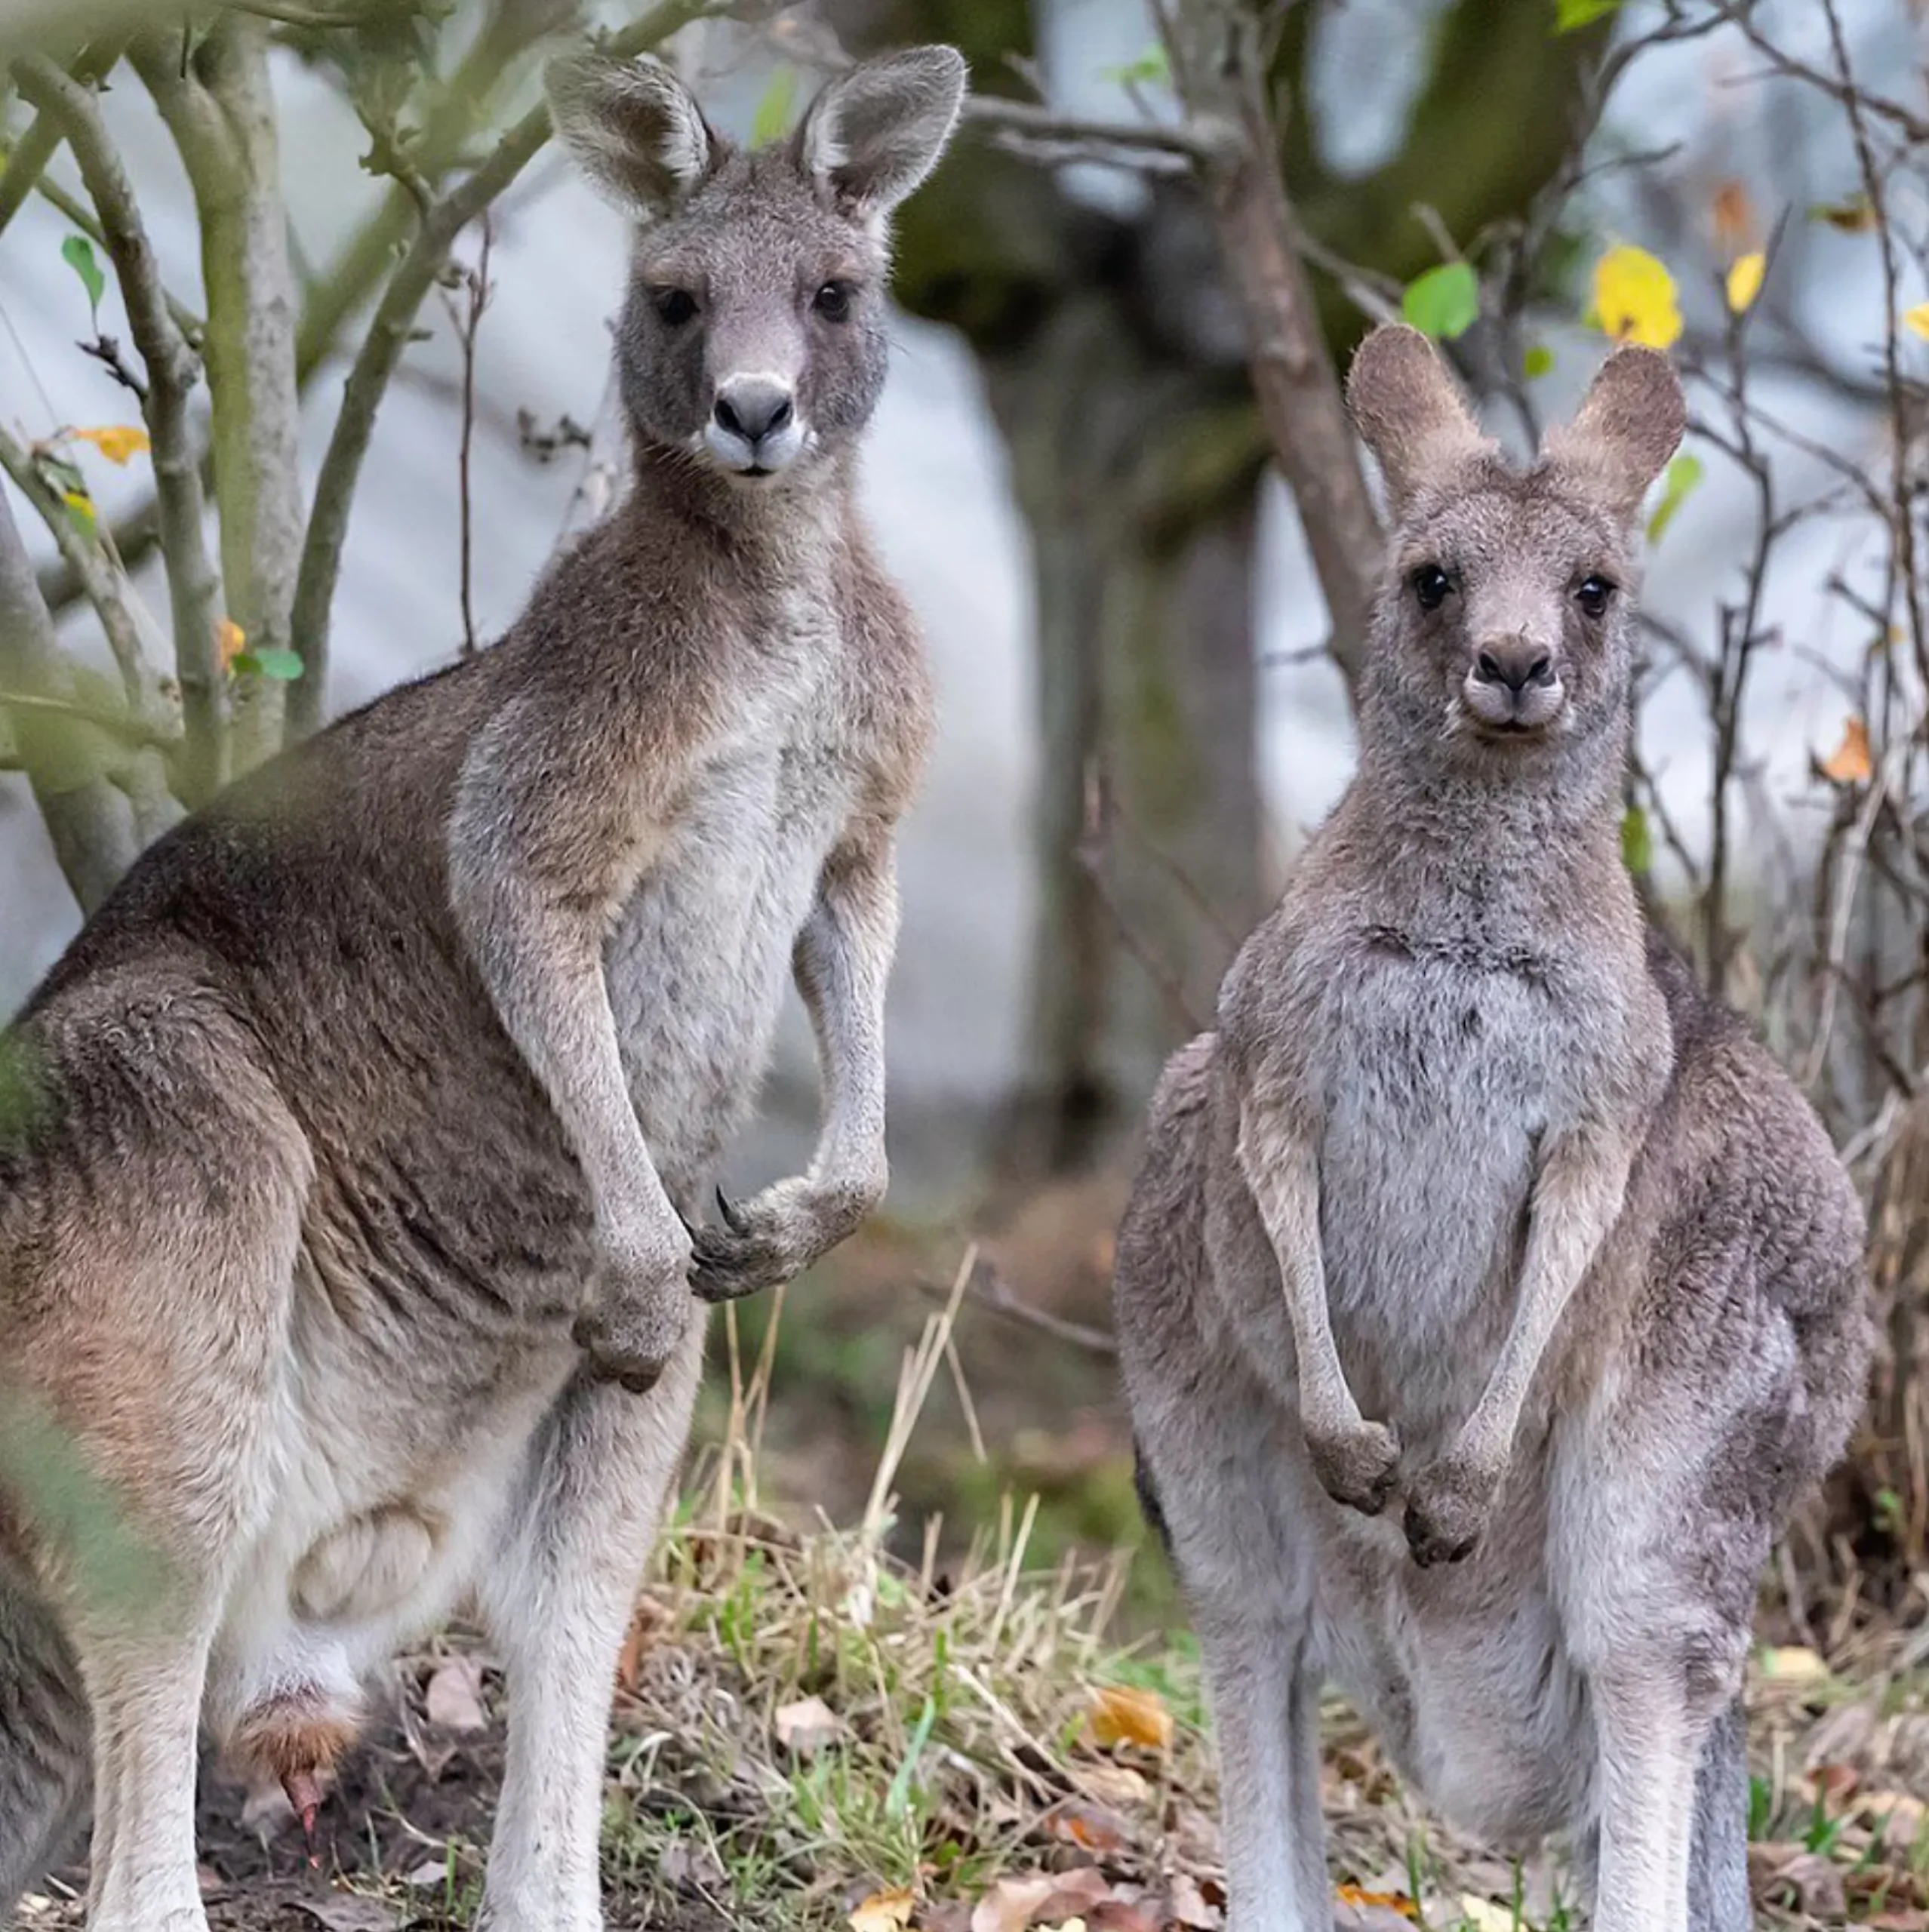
[[1443, 303], [77, 251], [1571, 14], [1684, 474], [1537, 362], [898, 1799], [1637, 842], [1152, 68], [771, 121], [283, 667]]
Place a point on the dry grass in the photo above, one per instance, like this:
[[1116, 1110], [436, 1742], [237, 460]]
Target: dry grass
[[812, 1733]]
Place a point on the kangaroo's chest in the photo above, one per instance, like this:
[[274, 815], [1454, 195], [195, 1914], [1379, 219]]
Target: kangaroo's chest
[[1444, 1065], [699, 962]]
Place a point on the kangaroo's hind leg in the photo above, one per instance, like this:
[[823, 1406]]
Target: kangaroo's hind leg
[[44, 1741], [1717, 1894], [143, 1358], [556, 1597]]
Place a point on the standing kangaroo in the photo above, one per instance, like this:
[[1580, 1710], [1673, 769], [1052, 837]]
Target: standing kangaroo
[[347, 1214], [1471, 1153]]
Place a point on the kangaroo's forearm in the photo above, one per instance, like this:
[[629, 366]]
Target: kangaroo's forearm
[[1282, 1168], [842, 965]]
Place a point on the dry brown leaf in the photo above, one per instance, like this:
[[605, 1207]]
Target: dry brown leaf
[[1018, 1904], [1776, 1870], [1186, 1905], [453, 1698], [1073, 1822], [807, 1726], [1123, 1715], [1849, 763], [887, 1911]]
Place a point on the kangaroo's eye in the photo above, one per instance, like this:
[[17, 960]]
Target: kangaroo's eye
[[1592, 593], [832, 301], [1431, 586], [675, 306]]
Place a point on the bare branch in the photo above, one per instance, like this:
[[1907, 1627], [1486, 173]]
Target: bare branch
[[381, 349], [91, 567], [172, 371], [90, 825], [1214, 49], [27, 157], [221, 112]]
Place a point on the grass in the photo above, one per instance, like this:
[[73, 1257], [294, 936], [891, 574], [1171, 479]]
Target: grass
[[815, 1731]]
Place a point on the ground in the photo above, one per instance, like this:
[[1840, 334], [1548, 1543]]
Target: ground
[[895, 1724]]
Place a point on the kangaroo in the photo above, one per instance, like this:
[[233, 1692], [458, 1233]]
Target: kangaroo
[[1474, 1200], [350, 1199]]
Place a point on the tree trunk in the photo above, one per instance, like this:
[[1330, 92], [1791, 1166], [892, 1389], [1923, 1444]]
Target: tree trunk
[[1148, 818]]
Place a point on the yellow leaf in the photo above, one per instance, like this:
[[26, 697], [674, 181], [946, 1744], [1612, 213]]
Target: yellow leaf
[[1917, 319], [1485, 1916], [1849, 763], [79, 502], [118, 442], [1358, 1897], [1745, 280], [1796, 1663], [1121, 1715], [230, 640], [1634, 296], [888, 1910]]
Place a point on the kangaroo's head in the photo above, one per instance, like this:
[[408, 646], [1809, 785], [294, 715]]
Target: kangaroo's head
[[1504, 633], [752, 336]]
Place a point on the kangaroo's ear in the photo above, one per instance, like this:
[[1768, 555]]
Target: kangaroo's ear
[[633, 128], [1629, 423], [1407, 407], [874, 134]]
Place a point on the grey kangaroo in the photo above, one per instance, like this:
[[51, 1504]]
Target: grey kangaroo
[[1475, 1204], [347, 1201]]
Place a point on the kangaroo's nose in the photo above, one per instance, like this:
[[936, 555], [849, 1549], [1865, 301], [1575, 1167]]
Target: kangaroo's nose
[[753, 407], [1515, 662]]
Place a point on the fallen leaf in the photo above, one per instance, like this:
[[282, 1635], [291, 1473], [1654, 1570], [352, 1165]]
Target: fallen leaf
[[1745, 280], [1917, 319], [1186, 1905], [887, 1910], [1356, 1895], [1849, 763], [1899, 1817], [350, 1912], [117, 442], [432, 1871], [1484, 1915], [1018, 1904], [1085, 1826], [1910, 1920], [1117, 1786], [1634, 297], [230, 641], [1775, 1870], [1117, 1915], [453, 1698], [1123, 1715], [807, 1726]]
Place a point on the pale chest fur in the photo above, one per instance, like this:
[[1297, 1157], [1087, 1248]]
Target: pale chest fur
[[1442, 1053], [699, 962]]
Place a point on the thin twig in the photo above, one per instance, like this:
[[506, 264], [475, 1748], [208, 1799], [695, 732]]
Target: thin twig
[[477, 283], [172, 370]]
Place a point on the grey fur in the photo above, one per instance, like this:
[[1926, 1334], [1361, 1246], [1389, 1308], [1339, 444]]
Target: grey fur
[[1474, 1204], [365, 1134]]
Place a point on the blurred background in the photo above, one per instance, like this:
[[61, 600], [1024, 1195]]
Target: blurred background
[[1141, 717]]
